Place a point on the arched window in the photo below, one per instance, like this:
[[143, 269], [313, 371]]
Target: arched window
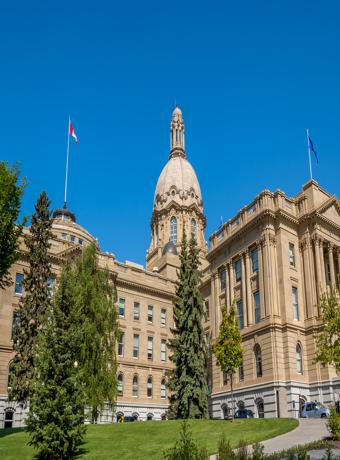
[[193, 229], [135, 415], [120, 417], [149, 387], [258, 360], [9, 412], [173, 229], [11, 375], [149, 417], [135, 385], [299, 366], [163, 389], [260, 408], [120, 384], [225, 411]]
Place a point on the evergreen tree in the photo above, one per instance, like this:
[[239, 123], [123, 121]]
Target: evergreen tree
[[187, 382], [228, 347], [96, 298], [56, 416], [328, 341], [35, 302], [10, 199]]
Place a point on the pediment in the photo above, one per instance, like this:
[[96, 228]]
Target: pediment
[[330, 210]]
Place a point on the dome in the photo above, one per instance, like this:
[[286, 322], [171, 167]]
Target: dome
[[169, 248], [178, 173]]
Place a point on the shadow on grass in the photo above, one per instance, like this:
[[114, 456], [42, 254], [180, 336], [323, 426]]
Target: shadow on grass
[[7, 431]]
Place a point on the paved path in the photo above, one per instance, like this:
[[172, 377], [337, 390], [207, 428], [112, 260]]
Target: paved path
[[309, 430]]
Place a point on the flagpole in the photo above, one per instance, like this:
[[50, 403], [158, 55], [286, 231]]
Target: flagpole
[[310, 161], [67, 155]]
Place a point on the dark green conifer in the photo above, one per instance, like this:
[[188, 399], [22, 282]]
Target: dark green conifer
[[35, 302], [187, 382]]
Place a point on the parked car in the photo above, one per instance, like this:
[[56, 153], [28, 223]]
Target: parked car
[[244, 413], [314, 410]]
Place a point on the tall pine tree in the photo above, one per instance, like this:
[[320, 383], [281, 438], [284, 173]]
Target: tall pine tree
[[35, 302], [96, 299], [56, 417], [188, 382]]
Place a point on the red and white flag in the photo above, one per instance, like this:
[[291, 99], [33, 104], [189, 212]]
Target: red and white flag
[[71, 132]]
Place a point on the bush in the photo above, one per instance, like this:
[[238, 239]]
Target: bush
[[225, 452], [333, 424], [186, 448], [258, 452]]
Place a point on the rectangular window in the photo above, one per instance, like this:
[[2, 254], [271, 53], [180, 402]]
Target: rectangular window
[[163, 317], [163, 350], [291, 255], [136, 308], [81, 242], [295, 303], [222, 277], [225, 379], [73, 239], [257, 310], [254, 255], [135, 345], [121, 344], [239, 306], [64, 236], [150, 313], [206, 309], [15, 319], [121, 307], [19, 278], [237, 269], [241, 373], [150, 347]]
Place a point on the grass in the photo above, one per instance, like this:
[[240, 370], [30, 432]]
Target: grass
[[148, 440]]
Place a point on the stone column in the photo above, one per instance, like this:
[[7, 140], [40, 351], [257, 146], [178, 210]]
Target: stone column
[[244, 292], [213, 307], [267, 281], [261, 282], [218, 307], [227, 286], [331, 263], [274, 280], [231, 281], [322, 263], [318, 266], [250, 312]]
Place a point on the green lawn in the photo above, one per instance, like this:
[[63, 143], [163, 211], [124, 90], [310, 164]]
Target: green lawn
[[147, 440]]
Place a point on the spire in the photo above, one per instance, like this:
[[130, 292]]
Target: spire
[[177, 144]]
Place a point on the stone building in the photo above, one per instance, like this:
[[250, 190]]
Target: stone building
[[274, 259]]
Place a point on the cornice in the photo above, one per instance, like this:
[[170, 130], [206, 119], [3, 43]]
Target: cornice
[[143, 288]]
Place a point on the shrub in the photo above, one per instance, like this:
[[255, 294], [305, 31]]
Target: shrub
[[258, 452], [333, 424], [242, 451], [186, 448], [225, 452]]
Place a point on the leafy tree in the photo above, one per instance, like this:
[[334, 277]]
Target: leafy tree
[[96, 299], [328, 341], [56, 416], [35, 302], [228, 346], [10, 201], [187, 381]]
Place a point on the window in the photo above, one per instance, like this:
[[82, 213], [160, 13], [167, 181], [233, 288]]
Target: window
[[136, 308], [8, 418], [222, 279], [225, 378], [73, 239], [149, 417], [121, 307], [120, 384], [135, 345], [163, 350], [11, 375], [173, 229], [257, 307], [206, 309], [254, 255], [258, 360], [299, 367], [163, 389], [150, 313], [208, 343], [64, 236], [135, 385], [149, 387], [150, 347], [163, 317], [260, 408], [15, 319], [295, 303], [239, 306], [19, 278], [237, 268], [51, 285], [193, 229], [80, 241], [291, 254], [241, 373], [121, 344]]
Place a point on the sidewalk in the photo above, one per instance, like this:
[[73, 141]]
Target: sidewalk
[[309, 430]]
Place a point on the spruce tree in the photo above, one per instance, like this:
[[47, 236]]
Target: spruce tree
[[96, 299], [11, 192], [228, 346], [187, 382], [56, 416], [35, 302]]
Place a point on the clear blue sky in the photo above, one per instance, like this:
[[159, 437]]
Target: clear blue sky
[[249, 76]]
